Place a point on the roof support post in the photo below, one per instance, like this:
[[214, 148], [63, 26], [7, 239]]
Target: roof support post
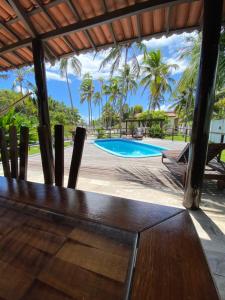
[[203, 102], [42, 94]]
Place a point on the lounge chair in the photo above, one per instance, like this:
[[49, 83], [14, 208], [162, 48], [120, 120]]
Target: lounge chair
[[215, 168], [138, 133]]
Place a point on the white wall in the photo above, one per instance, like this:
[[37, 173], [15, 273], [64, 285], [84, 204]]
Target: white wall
[[216, 126]]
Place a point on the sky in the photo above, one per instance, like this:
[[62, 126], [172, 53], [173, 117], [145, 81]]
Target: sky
[[57, 88]]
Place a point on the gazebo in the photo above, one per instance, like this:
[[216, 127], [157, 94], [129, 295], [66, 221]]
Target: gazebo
[[33, 32]]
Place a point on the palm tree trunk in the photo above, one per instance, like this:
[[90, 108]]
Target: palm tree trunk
[[121, 103], [91, 112], [89, 119], [70, 95]]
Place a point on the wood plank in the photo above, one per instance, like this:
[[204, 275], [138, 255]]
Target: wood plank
[[22, 256], [44, 241], [24, 142], [78, 147], [10, 220], [13, 282], [59, 155], [46, 160], [13, 150], [80, 283], [4, 154], [40, 291], [100, 241], [171, 263], [51, 226], [99, 261], [118, 212]]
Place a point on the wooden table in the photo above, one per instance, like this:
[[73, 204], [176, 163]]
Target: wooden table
[[59, 243]]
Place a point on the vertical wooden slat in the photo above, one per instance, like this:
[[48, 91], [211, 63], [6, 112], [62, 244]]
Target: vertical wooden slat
[[47, 165], [76, 157], [13, 152], [59, 155], [23, 152], [4, 154]]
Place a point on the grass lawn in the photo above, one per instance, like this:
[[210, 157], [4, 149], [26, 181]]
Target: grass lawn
[[36, 149], [179, 138], [223, 156]]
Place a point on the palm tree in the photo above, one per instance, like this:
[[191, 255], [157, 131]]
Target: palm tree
[[184, 105], [97, 101], [76, 67], [115, 94], [156, 78], [117, 53], [191, 52], [86, 93], [128, 83], [21, 79]]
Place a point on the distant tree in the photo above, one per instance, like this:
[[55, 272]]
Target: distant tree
[[128, 83], [156, 78], [86, 93], [97, 101], [219, 109], [21, 80], [76, 67], [138, 109], [184, 105]]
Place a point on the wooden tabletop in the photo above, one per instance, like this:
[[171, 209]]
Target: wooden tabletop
[[58, 243]]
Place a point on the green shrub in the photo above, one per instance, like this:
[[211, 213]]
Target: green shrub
[[101, 133], [156, 131]]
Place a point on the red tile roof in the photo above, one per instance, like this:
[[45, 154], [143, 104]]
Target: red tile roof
[[75, 26]]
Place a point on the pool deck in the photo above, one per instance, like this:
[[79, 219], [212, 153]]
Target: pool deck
[[147, 179]]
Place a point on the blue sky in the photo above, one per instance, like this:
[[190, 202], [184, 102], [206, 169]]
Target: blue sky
[[57, 88]]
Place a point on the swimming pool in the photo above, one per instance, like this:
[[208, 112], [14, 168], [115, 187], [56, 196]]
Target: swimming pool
[[127, 148]]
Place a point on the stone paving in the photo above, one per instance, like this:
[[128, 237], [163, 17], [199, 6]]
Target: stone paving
[[147, 179]]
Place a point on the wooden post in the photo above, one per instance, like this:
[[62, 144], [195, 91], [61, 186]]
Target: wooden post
[[42, 95], [203, 102]]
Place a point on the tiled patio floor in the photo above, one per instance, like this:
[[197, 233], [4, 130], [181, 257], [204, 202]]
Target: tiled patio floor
[[147, 179]]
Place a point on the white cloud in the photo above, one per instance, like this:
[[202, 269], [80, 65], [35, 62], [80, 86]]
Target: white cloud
[[24, 91], [91, 62], [182, 64], [173, 41], [165, 107], [55, 75]]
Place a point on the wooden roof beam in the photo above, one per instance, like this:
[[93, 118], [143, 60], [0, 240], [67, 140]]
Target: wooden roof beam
[[138, 20], [54, 23], [7, 61], [18, 8], [9, 30], [110, 24], [20, 57], [168, 19], [77, 16], [109, 17], [15, 46]]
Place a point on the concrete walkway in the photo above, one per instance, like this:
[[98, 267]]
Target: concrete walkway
[[147, 179]]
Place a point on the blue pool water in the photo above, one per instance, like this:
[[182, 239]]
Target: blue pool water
[[127, 148]]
